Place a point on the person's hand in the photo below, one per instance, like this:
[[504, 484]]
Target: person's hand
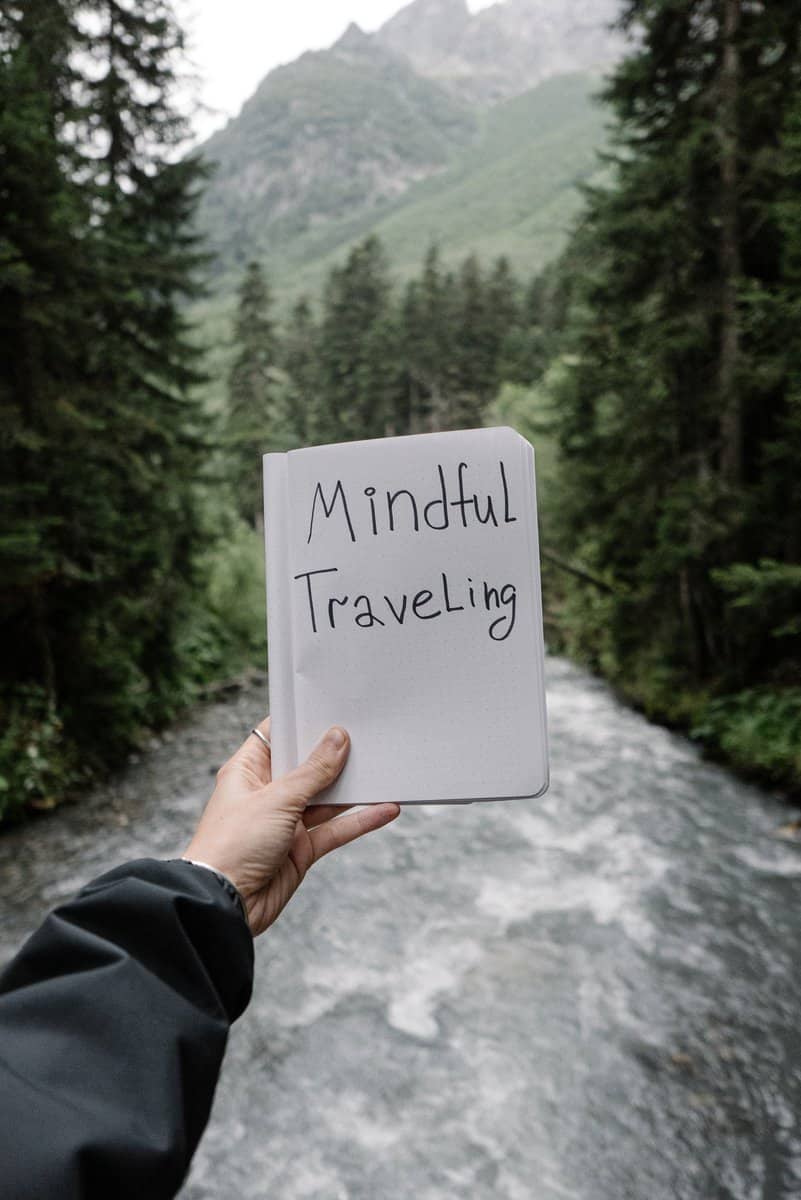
[[259, 831]]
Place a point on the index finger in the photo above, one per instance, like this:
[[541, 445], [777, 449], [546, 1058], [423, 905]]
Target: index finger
[[318, 814], [333, 834]]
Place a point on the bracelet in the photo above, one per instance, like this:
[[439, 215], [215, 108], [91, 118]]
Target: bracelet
[[231, 888]]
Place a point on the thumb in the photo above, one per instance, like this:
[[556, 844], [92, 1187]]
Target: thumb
[[324, 764]]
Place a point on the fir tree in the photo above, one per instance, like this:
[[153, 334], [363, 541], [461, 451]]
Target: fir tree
[[97, 261], [144, 256], [503, 318], [44, 326], [678, 396], [307, 416], [251, 391], [474, 360], [427, 322], [360, 378]]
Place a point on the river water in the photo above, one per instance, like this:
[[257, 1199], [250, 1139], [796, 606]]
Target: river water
[[594, 996]]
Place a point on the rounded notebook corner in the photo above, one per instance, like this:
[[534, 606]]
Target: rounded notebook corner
[[543, 788]]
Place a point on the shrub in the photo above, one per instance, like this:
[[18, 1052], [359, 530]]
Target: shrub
[[759, 731], [37, 766]]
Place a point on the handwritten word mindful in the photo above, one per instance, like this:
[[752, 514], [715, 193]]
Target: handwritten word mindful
[[428, 604], [404, 510]]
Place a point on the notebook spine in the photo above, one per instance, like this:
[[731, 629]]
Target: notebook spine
[[280, 649], [532, 528]]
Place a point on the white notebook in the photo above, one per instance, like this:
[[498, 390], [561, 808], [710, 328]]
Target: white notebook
[[404, 603]]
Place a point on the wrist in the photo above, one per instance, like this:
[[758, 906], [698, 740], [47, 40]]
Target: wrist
[[224, 880]]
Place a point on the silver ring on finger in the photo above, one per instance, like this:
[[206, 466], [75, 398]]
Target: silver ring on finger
[[265, 741]]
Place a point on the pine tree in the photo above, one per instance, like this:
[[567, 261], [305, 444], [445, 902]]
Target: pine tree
[[453, 332], [677, 392], [97, 260], [360, 378], [44, 324], [764, 594], [530, 344], [503, 318], [783, 445], [411, 333], [428, 331], [474, 356], [300, 357], [144, 255], [251, 391]]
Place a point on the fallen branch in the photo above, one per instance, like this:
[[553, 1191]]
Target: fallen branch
[[578, 572]]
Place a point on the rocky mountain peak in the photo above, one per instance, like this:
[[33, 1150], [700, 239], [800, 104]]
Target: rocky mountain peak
[[354, 38], [424, 29], [505, 49], [404, 121]]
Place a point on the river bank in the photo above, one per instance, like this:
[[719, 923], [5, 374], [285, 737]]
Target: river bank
[[755, 733]]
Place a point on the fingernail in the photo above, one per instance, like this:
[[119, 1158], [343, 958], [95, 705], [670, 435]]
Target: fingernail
[[335, 738]]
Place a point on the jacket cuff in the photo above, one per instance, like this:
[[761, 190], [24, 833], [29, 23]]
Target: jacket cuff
[[209, 915], [227, 884]]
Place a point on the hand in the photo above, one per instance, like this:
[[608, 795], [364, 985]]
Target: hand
[[259, 832]]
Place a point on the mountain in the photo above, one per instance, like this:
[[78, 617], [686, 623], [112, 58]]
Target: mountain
[[471, 130], [512, 190], [338, 130], [503, 50]]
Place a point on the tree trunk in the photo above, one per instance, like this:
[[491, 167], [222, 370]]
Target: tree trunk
[[42, 638], [731, 432]]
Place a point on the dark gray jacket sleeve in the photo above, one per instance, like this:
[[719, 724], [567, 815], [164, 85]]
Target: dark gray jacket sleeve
[[113, 1023]]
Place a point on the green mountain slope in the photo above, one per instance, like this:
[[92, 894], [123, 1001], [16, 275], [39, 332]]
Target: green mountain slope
[[512, 190], [336, 133]]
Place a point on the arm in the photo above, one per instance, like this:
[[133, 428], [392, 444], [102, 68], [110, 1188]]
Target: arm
[[113, 1023], [115, 1014]]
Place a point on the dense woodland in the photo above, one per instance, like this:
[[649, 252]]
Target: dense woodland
[[656, 366]]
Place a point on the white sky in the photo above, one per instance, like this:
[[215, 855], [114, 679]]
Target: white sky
[[234, 43]]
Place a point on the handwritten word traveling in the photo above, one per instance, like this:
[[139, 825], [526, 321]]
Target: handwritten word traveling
[[428, 604]]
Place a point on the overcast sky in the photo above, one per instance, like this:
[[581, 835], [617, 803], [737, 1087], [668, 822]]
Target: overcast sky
[[234, 43]]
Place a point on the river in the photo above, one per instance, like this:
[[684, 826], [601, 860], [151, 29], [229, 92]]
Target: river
[[593, 996]]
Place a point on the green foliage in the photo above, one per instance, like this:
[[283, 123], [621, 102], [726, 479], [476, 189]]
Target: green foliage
[[227, 634], [656, 365], [677, 411], [102, 439], [302, 412], [427, 337], [768, 592], [37, 765], [251, 391], [356, 349], [530, 410], [377, 362], [484, 310], [503, 182], [759, 730], [236, 594], [380, 363]]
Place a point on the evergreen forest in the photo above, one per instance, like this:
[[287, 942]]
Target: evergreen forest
[[655, 365]]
